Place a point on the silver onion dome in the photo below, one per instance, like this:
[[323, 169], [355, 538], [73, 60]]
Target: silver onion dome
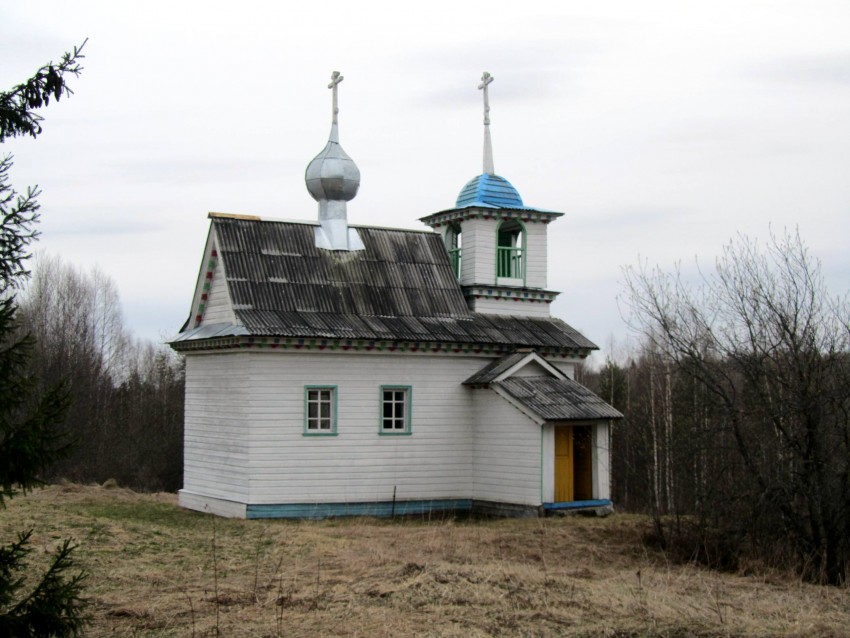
[[332, 180], [332, 175]]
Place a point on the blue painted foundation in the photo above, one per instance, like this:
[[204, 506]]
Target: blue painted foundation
[[384, 509], [576, 505], [381, 509]]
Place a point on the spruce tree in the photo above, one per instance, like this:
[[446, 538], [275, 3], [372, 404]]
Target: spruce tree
[[50, 603]]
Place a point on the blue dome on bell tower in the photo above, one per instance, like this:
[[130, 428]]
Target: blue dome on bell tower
[[489, 190]]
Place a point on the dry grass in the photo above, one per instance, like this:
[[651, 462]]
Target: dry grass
[[153, 572]]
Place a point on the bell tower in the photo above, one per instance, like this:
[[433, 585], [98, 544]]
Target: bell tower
[[497, 244]]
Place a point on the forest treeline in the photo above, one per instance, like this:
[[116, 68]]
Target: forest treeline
[[736, 436], [125, 420]]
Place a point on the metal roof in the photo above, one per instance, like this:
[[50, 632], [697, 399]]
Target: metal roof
[[401, 287], [557, 399], [493, 190]]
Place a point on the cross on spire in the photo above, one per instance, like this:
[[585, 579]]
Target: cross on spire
[[486, 79], [336, 78]]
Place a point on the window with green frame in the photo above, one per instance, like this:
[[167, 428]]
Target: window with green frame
[[395, 409], [320, 409], [510, 250]]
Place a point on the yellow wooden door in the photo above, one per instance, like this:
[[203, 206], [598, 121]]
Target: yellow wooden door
[[582, 463], [563, 464]]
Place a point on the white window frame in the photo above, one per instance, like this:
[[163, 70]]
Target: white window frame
[[401, 400], [318, 424]]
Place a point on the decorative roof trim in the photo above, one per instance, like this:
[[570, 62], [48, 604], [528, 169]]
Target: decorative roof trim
[[528, 215], [361, 345], [506, 293]]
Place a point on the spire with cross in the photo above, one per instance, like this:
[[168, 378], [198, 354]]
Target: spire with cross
[[486, 79], [336, 78], [332, 180]]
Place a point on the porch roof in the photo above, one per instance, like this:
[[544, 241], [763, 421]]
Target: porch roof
[[553, 399]]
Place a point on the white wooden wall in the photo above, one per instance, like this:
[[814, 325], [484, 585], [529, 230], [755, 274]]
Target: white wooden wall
[[251, 448], [535, 259], [359, 464], [567, 367], [601, 461], [506, 452], [215, 425], [478, 257]]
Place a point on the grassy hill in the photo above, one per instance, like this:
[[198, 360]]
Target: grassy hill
[[157, 570]]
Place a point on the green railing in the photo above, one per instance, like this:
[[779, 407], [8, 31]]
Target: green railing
[[509, 262], [454, 255]]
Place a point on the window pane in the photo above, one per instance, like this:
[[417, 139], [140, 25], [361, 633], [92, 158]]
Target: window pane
[[319, 409], [394, 410]]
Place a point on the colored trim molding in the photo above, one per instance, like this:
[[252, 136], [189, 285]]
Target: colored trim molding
[[529, 216]]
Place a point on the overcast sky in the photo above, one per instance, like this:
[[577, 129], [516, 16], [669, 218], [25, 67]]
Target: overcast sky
[[660, 129]]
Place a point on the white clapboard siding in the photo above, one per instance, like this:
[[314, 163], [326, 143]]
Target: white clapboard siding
[[506, 306], [507, 446], [567, 367], [478, 257], [215, 442], [601, 461], [359, 464], [535, 256]]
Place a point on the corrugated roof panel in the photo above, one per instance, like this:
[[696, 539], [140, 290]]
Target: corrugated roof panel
[[382, 330], [557, 399]]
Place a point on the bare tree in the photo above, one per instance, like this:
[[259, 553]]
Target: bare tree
[[127, 394], [765, 342]]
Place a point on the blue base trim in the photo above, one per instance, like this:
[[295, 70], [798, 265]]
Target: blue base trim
[[380, 509], [576, 505]]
